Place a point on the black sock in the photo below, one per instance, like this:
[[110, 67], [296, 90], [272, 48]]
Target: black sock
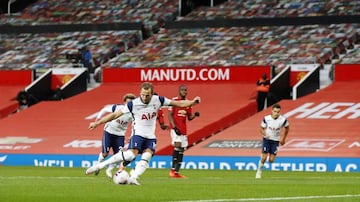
[[179, 160], [175, 158], [125, 163]]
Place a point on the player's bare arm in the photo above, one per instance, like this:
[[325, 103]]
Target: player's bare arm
[[105, 119], [262, 132], [185, 103], [283, 139]]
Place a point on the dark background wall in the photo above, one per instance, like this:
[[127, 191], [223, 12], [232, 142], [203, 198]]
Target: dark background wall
[[16, 6], [187, 5]]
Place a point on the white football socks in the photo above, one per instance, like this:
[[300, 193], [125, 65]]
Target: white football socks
[[117, 158], [101, 157], [142, 165]]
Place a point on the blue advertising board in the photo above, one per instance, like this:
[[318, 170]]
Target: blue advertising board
[[311, 164]]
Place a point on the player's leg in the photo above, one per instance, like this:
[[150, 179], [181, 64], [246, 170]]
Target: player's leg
[[125, 163], [116, 158], [177, 151], [261, 165], [117, 143], [181, 149], [177, 157], [273, 150], [147, 148], [272, 158], [141, 166], [184, 144], [264, 155], [105, 147]]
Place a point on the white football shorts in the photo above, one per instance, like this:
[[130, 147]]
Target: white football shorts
[[178, 138]]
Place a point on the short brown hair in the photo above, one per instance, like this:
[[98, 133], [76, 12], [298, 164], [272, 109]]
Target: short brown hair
[[276, 106], [128, 96], [147, 85]]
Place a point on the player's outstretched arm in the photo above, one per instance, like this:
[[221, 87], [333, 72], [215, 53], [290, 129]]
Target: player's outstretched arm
[[107, 109], [185, 103], [105, 119]]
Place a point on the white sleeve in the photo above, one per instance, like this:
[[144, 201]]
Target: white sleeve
[[124, 109], [263, 123], [286, 123], [166, 101], [105, 110]]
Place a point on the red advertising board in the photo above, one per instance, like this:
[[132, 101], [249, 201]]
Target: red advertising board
[[347, 72], [16, 77], [185, 74]]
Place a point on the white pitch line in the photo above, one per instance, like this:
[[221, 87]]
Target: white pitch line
[[44, 177], [278, 198]]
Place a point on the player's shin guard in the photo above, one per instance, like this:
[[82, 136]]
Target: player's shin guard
[[117, 158], [142, 165], [175, 158], [180, 159]]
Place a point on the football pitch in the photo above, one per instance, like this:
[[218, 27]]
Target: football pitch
[[71, 184]]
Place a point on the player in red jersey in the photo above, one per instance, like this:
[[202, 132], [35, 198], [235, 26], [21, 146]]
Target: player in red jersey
[[177, 118]]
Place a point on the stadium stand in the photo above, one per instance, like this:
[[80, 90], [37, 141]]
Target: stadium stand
[[235, 9], [242, 46], [48, 50], [151, 13], [273, 51]]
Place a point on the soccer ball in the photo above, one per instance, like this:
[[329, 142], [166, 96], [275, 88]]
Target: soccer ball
[[121, 177]]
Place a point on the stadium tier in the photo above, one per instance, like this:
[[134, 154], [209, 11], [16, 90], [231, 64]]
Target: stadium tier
[[212, 46], [266, 45], [235, 9], [47, 50]]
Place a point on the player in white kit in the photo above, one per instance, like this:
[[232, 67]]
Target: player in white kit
[[270, 129], [144, 111], [114, 131]]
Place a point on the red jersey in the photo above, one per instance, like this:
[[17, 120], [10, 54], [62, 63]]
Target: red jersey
[[180, 115]]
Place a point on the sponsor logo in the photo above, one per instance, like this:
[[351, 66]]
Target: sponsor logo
[[246, 144], [2, 159], [324, 145], [83, 144], [17, 143], [355, 144], [19, 140], [326, 110], [178, 74]]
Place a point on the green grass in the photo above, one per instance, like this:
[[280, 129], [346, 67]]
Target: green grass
[[71, 184]]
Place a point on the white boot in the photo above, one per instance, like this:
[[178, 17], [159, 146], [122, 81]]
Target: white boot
[[109, 169], [258, 174]]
